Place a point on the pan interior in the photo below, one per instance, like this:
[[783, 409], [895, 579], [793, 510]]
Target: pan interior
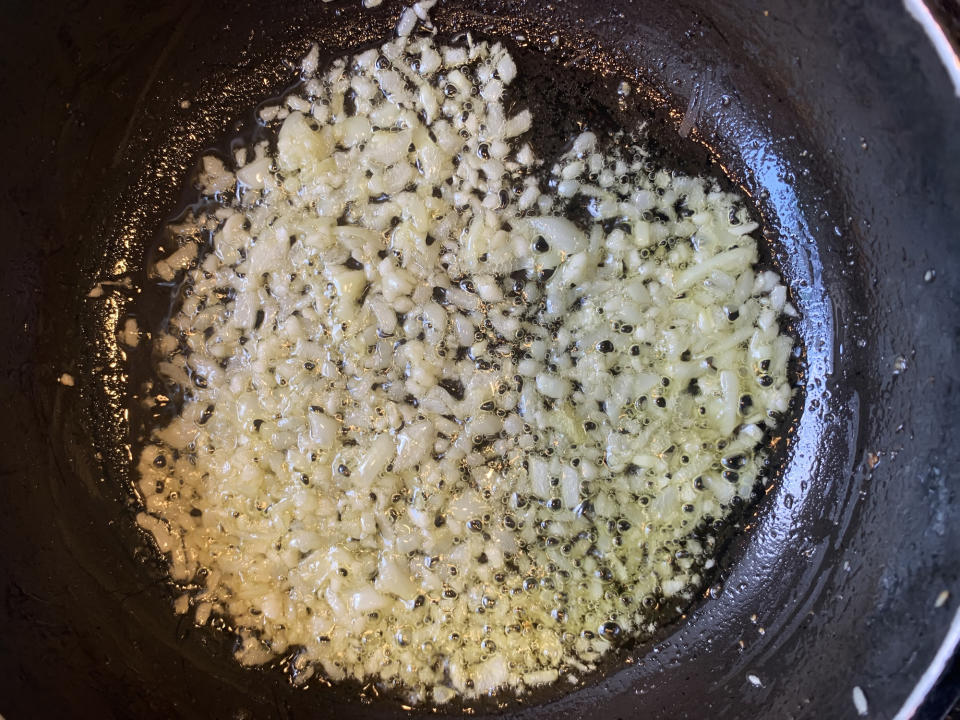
[[572, 79]]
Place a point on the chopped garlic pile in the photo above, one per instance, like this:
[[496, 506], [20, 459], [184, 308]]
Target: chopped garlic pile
[[439, 432]]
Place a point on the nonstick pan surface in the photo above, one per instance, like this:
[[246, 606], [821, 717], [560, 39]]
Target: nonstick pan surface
[[838, 120]]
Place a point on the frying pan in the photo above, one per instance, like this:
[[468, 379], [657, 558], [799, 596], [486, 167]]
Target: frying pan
[[837, 118]]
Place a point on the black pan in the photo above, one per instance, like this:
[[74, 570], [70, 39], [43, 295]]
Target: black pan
[[839, 120]]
